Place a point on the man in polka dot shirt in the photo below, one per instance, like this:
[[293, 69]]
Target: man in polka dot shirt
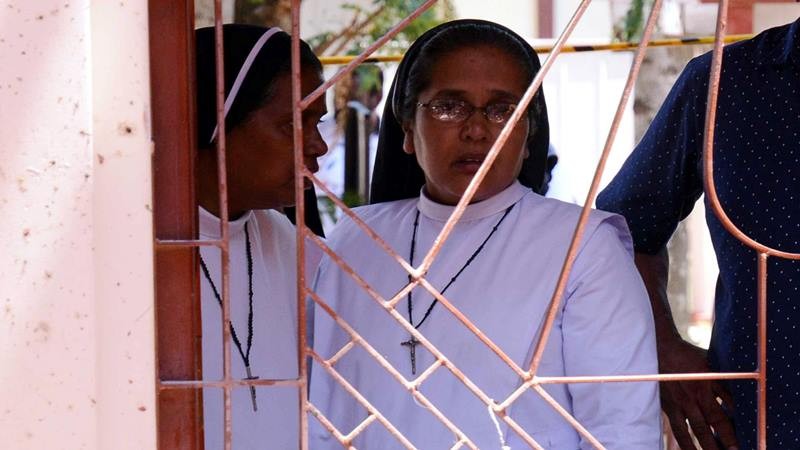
[[757, 175]]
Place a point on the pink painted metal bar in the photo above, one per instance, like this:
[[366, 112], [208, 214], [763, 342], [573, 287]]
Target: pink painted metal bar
[[300, 208], [360, 223], [566, 415], [224, 233], [762, 351], [474, 329], [711, 195], [403, 322], [411, 387], [472, 187], [360, 399], [361, 427], [356, 277], [343, 351], [572, 252], [625, 378], [457, 445], [427, 373], [170, 385], [654, 377], [408, 327], [519, 430], [310, 408], [365, 54], [183, 243]]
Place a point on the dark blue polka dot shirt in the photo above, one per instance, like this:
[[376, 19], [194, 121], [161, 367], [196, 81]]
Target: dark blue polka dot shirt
[[757, 175]]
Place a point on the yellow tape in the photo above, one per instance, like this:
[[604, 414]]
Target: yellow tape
[[615, 46]]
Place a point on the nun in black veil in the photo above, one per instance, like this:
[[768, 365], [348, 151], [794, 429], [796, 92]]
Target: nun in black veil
[[260, 182], [396, 174], [455, 90]]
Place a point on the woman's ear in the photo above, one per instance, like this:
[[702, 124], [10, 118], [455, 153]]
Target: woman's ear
[[408, 139]]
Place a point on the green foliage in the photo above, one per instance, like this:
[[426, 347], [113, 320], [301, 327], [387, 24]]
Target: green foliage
[[397, 10], [369, 78], [352, 199], [384, 14], [633, 23]]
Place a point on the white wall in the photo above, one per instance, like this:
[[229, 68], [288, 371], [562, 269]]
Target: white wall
[[519, 15], [768, 15], [76, 335], [583, 92], [318, 16], [595, 24]]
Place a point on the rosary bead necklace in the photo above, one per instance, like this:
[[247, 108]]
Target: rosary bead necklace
[[245, 354], [412, 342]]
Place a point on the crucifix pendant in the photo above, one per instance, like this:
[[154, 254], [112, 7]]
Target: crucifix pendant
[[252, 388], [412, 349]]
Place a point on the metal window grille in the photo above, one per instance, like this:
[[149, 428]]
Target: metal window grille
[[178, 380]]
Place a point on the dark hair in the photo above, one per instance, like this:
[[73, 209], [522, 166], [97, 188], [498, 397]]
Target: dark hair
[[272, 60], [397, 175]]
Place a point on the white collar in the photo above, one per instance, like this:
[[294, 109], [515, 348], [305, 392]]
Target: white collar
[[209, 223], [475, 211]]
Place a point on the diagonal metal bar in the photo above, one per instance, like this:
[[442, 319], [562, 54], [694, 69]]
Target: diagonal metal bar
[[329, 425], [426, 373], [474, 329], [361, 224], [574, 245], [518, 429], [342, 351], [569, 418], [365, 54], [522, 107], [457, 445], [361, 427], [360, 399], [411, 387], [355, 276]]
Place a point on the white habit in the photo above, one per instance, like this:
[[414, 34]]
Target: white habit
[[274, 349], [604, 326]]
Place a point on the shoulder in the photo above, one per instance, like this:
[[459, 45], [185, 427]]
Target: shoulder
[[380, 217], [563, 217], [746, 55]]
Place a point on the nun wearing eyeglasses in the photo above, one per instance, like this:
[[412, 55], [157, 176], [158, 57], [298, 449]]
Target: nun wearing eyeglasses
[[260, 182], [456, 88]]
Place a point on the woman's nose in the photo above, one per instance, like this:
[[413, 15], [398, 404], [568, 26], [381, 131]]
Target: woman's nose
[[475, 127], [314, 145]]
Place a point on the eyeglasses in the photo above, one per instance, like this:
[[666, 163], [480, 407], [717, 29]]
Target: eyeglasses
[[456, 111]]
